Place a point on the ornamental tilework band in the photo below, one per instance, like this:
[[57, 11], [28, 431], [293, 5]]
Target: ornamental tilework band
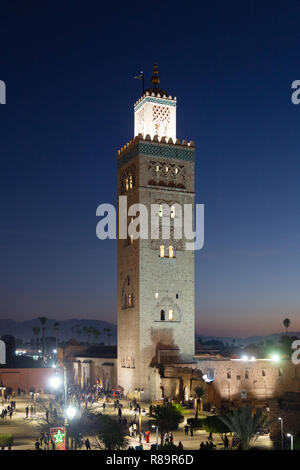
[[153, 99], [157, 150]]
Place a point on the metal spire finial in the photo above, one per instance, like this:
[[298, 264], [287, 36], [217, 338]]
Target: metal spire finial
[[155, 78]]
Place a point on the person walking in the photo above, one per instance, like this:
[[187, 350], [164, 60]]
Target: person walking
[[26, 411], [87, 444], [37, 445], [191, 432], [226, 443], [180, 446], [186, 430]]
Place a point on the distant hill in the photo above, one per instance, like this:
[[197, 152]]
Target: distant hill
[[275, 337], [67, 329]]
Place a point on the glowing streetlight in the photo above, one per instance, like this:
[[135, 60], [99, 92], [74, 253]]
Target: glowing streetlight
[[292, 440], [71, 412], [55, 382], [156, 427], [245, 358], [275, 358]]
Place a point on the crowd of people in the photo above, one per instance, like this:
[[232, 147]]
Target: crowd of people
[[8, 410]]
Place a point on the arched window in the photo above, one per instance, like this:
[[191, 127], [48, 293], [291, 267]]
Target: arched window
[[171, 251], [162, 315], [162, 251]]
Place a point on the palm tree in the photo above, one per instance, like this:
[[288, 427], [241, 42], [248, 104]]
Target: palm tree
[[43, 321], [105, 330], [56, 330], [245, 423], [286, 322], [200, 392], [109, 334], [36, 331]]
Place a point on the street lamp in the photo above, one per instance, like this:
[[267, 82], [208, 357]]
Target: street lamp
[[2, 388], [156, 427], [138, 411], [70, 413], [281, 427], [292, 440]]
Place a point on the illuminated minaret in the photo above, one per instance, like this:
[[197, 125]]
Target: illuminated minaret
[[156, 311]]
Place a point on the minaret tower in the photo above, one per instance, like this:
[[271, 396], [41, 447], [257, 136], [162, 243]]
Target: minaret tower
[[156, 312]]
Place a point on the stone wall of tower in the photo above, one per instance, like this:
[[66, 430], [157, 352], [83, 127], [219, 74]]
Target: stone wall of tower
[[128, 317], [141, 333], [171, 278]]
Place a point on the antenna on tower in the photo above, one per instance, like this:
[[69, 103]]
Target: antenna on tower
[[141, 77]]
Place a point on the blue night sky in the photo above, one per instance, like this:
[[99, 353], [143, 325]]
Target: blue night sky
[[68, 68]]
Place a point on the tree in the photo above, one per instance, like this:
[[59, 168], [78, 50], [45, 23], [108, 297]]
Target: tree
[[6, 440], [167, 417], [214, 425], [109, 434], [245, 423], [36, 331], [286, 322], [200, 392], [43, 321]]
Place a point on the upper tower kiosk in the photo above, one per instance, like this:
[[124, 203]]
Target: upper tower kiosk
[[155, 112]]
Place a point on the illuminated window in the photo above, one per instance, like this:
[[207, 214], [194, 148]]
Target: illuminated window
[[162, 315], [157, 168], [167, 169], [171, 252], [171, 315], [162, 251], [126, 184], [160, 210], [176, 171], [129, 300], [156, 295], [172, 213], [131, 239], [130, 182]]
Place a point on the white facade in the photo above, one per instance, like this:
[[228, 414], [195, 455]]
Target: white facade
[[155, 115]]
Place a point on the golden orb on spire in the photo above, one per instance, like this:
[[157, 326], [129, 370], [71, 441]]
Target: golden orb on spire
[[155, 78]]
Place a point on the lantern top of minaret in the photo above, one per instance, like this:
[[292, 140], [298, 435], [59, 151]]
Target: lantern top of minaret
[[155, 112]]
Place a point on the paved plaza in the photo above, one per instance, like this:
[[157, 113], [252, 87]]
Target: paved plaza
[[26, 430]]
